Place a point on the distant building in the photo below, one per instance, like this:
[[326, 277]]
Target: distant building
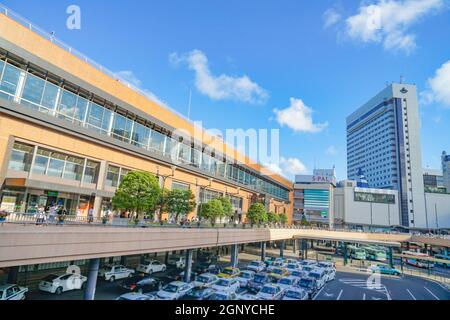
[[433, 179], [365, 207], [313, 197], [446, 170], [383, 140]]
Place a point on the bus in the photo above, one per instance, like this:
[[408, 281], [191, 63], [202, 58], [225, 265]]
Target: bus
[[357, 253], [443, 257], [375, 254], [416, 261]]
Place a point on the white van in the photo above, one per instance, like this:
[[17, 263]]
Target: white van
[[320, 276]]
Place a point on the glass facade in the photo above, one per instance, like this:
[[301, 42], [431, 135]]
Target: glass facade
[[44, 96], [375, 197]]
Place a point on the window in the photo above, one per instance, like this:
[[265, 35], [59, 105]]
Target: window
[[41, 161], [98, 118], [50, 96], [67, 105], [91, 172], [33, 90], [73, 168], [112, 176], [10, 79], [180, 186], [141, 135], [157, 141], [21, 157], [122, 127], [56, 165]]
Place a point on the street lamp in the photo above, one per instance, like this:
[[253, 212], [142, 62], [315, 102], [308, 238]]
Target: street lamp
[[164, 177]]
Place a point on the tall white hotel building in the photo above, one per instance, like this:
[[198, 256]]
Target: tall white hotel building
[[383, 139]]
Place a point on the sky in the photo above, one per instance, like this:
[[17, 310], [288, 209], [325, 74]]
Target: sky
[[297, 66]]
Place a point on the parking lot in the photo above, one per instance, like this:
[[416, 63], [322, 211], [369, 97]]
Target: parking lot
[[347, 285]]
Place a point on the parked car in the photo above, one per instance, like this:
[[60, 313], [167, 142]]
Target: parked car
[[229, 272], [292, 266], [384, 269], [226, 284], [308, 268], [178, 262], [327, 264], [320, 276], [278, 273], [201, 267], [295, 293], [310, 285], [59, 284], [256, 266], [142, 284], [12, 292], [174, 290], [198, 293], [268, 261], [151, 266], [330, 274], [205, 280], [246, 296], [135, 296], [308, 262], [259, 280], [287, 282], [223, 295], [270, 291], [244, 277], [115, 272], [298, 274]]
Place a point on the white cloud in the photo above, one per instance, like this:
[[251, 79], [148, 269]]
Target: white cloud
[[287, 167], [222, 87], [331, 151], [331, 17], [439, 87], [129, 76], [388, 22], [298, 117]]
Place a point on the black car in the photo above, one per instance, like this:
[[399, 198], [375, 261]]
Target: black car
[[198, 293], [310, 285], [142, 284]]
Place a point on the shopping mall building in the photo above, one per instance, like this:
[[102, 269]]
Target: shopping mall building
[[70, 131]]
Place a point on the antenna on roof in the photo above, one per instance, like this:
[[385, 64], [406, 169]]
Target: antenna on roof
[[189, 104]]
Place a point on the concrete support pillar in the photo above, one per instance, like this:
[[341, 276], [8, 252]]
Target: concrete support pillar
[[391, 258], [188, 266], [263, 251], [98, 206], [166, 258], [13, 275], [91, 283], [282, 245], [294, 242], [234, 255], [345, 253], [304, 248]]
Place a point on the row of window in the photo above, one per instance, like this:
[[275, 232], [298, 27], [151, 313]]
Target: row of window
[[52, 163], [49, 98]]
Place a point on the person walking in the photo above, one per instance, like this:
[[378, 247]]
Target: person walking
[[40, 215], [90, 215]]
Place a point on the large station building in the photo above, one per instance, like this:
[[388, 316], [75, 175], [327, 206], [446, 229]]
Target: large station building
[[70, 130]]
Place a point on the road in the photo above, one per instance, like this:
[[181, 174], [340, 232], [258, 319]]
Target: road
[[354, 286]]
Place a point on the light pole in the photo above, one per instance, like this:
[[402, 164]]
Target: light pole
[[164, 177]]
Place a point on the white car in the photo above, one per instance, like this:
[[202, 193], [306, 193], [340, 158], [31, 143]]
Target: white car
[[151, 266], [270, 291], [295, 293], [113, 272], [135, 296], [298, 274], [246, 296], [178, 262], [320, 276], [227, 285], [205, 280], [245, 276], [330, 274], [174, 290], [287, 282], [59, 284], [292, 266], [256, 266], [12, 292], [223, 295]]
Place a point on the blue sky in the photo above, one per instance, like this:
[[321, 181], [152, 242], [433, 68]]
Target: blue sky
[[300, 66]]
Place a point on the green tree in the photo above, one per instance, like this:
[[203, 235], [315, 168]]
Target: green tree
[[180, 202], [138, 193], [227, 207], [272, 217], [304, 222], [212, 210], [283, 218], [257, 213]]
